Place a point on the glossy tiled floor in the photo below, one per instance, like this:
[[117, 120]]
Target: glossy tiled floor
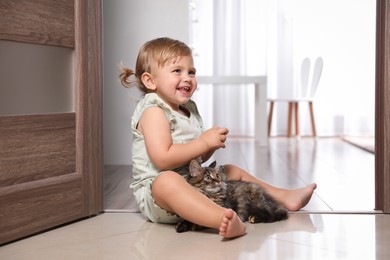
[[322, 230], [129, 236], [343, 172]]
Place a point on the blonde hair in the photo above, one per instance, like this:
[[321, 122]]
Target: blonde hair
[[160, 50]]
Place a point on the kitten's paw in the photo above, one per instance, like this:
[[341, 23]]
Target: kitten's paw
[[253, 219], [183, 226]]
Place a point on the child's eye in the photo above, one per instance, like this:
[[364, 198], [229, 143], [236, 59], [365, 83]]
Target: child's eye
[[177, 70], [192, 72]]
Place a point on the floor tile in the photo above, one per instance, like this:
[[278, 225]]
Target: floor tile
[[129, 236], [344, 173]]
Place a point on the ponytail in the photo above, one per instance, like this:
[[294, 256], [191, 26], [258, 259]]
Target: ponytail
[[125, 74]]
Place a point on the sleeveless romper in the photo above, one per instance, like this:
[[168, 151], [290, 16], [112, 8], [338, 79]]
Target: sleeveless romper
[[183, 130]]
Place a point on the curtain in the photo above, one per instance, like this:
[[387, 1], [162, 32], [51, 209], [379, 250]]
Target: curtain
[[257, 37], [222, 46]]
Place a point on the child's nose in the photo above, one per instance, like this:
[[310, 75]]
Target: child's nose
[[186, 77]]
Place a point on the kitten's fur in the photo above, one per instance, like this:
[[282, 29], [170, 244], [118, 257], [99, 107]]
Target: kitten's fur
[[248, 200]]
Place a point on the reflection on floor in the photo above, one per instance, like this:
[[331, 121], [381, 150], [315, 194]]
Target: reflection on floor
[[343, 172], [338, 223], [366, 143], [128, 236]]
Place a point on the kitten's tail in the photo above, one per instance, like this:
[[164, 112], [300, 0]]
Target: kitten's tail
[[281, 213]]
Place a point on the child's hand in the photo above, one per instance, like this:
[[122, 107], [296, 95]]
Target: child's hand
[[215, 137]]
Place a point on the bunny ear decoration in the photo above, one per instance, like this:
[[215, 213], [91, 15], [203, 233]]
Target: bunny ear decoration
[[318, 65]]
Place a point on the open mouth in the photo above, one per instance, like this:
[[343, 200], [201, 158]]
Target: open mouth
[[184, 89]]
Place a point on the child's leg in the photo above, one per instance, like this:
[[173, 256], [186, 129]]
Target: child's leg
[[174, 194], [293, 200]]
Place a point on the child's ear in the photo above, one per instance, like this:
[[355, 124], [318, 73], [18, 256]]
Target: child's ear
[[148, 81]]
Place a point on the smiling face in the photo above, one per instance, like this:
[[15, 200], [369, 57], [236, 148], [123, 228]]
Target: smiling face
[[174, 81]]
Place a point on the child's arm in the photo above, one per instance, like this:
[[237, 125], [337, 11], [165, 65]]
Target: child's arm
[[164, 154], [207, 155]]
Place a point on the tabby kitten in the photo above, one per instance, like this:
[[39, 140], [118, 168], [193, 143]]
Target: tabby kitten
[[248, 200]]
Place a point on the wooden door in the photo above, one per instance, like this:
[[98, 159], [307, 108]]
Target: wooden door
[[51, 164]]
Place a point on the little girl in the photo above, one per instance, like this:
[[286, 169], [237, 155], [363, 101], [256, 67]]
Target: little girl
[[168, 132]]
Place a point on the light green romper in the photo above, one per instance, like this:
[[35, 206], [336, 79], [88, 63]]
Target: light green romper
[[183, 130]]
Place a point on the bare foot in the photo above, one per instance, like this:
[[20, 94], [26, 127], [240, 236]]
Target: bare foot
[[231, 225], [296, 199]]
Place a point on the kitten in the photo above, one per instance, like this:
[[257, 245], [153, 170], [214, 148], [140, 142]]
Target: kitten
[[248, 200]]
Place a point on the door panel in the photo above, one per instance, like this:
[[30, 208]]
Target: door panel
[[51, 165], [35, 206], [36, 147], [40, 21]]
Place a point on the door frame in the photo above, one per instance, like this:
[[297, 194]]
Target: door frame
[[382, 108], [89, 102]]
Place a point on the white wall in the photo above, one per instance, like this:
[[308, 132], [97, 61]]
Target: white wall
[[127, 24]]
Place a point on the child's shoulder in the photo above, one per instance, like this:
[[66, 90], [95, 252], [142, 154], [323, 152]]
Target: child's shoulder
[[150, 100], [191, 105]]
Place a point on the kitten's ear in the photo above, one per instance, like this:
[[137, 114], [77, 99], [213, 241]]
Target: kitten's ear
[[221, 169], [222, 172], [212, 165], [195, 168]]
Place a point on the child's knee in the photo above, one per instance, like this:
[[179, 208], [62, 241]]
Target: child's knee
[[166, 182], [232, 172]]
